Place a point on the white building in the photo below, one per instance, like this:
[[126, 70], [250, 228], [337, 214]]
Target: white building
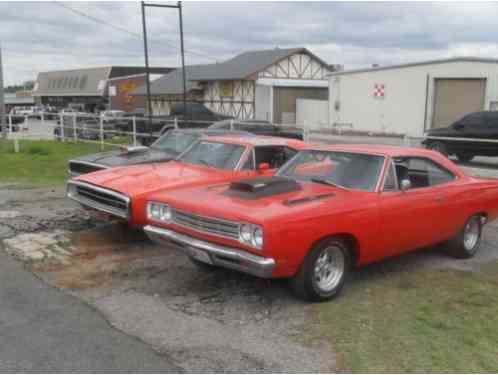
[[412, 98], [263, 85]]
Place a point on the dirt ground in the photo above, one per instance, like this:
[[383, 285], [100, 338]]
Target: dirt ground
[[204, 321]]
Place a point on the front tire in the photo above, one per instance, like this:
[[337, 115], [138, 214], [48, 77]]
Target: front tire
[[323, 272], [466, 243]]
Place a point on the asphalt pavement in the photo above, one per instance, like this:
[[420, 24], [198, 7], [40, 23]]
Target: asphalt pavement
[[45, 330]]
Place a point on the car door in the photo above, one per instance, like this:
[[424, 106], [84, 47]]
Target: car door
[[418, 216]]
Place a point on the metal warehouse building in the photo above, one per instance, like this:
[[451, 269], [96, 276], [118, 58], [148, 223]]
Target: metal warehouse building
[[412, 98], [89, 88]]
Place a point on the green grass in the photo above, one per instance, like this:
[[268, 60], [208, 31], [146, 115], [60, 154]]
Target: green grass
[[424, 321], [40, 162]]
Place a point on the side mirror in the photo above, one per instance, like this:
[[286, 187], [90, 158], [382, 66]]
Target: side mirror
[[405, 185], [263, 167]]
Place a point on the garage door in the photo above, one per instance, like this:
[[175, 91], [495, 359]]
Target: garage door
[[454, 98], [284, 101]]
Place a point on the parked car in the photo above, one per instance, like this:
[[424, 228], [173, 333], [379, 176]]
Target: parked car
[[192, 115], [167, 147], [476, 125], [25, 111], [122, 192], [86, 127], [111, 116], [259, 127], [328, 209]]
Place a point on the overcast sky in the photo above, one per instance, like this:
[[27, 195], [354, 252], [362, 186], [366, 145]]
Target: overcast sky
[[45, 36]]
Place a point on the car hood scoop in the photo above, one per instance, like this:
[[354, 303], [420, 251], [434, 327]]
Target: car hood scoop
[[260, 187]]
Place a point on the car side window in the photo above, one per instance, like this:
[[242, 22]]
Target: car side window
[[390, 181], [471, 119], [275, 156], [422, 172], [249, 163]]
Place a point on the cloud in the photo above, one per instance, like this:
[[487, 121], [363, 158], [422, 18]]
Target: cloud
[[40, 36]]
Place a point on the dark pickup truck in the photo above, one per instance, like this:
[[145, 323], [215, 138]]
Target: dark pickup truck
[[466, 137], [166, 148], [193, 115], [258, 127]]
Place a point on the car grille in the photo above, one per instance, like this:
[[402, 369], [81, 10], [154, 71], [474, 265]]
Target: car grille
[[209, 225], [78, 168], [100, 199]]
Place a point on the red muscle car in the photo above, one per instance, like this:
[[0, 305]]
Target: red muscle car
[[122, 192], [328, 209]]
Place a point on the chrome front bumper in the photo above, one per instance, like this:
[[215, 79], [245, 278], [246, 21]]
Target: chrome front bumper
[[223, 256]]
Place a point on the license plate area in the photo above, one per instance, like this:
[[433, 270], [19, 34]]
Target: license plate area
[[200, 255]]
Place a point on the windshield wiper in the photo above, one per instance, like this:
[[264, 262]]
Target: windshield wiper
[[326, 182]]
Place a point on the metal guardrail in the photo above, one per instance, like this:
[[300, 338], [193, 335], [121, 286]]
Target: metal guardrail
[[69, 127]]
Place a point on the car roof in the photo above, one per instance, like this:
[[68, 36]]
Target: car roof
[[260, 140], [390, 151]]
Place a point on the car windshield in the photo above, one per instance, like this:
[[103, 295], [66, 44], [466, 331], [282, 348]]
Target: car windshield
[[343, 169], [175, 142], [214, 154]]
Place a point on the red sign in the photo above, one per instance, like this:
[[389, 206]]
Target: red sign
[[379, 90]]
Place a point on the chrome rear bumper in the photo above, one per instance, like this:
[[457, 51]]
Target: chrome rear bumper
[[223, 256]]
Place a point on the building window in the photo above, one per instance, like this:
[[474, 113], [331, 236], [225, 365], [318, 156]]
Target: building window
[[64, 85], [59, 83], [75, 83], [226, 89]]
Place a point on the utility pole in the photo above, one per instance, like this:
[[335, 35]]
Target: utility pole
[[183, 60], [3, 123], [184, 73], [147, 74]]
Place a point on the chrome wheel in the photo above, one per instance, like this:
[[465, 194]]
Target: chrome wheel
[[471, 233], [329, 268]]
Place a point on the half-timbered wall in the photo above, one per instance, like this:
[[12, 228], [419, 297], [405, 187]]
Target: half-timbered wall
[[232, 98], [297, 66]]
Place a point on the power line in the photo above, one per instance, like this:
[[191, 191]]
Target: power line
[[122, 29]]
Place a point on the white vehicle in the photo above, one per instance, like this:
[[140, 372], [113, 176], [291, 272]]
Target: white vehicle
[[112, 115], [24, 111]]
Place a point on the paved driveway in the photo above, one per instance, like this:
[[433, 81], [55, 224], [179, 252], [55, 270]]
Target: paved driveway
[[42, 329]]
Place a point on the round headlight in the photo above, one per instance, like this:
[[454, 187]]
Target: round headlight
[[155, 211], [165, 213], [258, 237], [246, 233]]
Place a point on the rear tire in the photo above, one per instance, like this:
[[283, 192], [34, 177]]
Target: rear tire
[[464, 158], [323, 272], [466, 243], [439, 147]]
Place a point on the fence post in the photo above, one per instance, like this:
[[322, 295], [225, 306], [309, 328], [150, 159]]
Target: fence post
[[101, 132], [231, 124], [10, 124], [26, 122], [75, 135], [134, 123], [42, 119], [176, 122], [16, 144], [61, 122]]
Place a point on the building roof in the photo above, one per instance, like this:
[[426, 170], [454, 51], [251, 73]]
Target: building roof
[[84, 82], [241, 66], [419, 63]]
